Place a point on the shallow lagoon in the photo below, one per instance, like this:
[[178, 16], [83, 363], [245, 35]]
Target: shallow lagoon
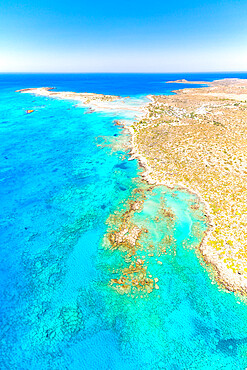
[[63, 174]]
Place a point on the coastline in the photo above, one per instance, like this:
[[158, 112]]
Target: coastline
[[96, 102], [210, 222], [224, 275]]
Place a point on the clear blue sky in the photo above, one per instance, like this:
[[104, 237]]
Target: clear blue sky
[[123, 36]]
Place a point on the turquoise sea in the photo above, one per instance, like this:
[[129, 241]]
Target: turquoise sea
[[66, 182]]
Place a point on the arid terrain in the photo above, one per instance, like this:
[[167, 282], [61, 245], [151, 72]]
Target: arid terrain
[[197, 139]]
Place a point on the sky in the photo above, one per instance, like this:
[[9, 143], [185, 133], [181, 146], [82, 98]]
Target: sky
[[123, 36]]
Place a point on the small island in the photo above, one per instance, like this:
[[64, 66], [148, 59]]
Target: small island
[[92, 100], [184, 81]]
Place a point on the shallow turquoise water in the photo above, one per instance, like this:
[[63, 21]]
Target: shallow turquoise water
[[63, 173]]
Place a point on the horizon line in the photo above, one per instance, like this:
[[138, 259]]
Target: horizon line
[[42, 72]]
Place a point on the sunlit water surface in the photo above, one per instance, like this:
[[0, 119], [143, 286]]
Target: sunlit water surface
[[63, 174]]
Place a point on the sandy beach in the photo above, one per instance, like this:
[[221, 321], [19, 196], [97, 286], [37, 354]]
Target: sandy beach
[[96, 102]]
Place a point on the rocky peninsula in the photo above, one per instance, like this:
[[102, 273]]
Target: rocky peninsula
[[197, 140]]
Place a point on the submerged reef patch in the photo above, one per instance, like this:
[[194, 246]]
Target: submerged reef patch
[[141, 235]]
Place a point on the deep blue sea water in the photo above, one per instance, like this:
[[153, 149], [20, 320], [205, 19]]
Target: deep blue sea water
[[63, 174]]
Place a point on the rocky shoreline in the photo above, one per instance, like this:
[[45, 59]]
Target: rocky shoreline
[[220, 246]]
